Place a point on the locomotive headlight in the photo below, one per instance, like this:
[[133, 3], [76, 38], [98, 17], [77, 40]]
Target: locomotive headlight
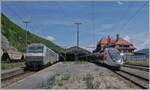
[[119, 61]]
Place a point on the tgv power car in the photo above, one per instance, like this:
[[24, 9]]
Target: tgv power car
[[113, 58], [38, 55]]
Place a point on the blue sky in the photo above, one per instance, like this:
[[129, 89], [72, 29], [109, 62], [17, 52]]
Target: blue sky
[[55, 20]]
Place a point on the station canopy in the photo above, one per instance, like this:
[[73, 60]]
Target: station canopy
[[76, 51]]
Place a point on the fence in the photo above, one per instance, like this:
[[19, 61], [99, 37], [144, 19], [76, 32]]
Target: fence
[[136, 60], [135, 57]]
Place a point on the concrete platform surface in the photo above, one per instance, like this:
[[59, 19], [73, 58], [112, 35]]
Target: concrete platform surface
[[73, 75]]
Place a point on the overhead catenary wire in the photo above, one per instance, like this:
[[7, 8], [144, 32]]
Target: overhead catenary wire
[[63, 14], [121, 18], [17, 15], [93, 17], [21, 19], [134, 15], [14, 12]]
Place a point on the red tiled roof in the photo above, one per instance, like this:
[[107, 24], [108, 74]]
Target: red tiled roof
[[122, 41], [113, 41], [119, 41], [104, 41]]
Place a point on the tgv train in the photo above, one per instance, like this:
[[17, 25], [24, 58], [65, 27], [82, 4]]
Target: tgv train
[[112, 57], [38, 56], [109, 56]]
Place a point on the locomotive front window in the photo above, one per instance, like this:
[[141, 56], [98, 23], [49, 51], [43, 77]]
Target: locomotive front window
[[114, 54], [35, 49]]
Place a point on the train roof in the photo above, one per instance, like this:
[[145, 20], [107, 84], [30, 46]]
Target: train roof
[[36, 44], [13, 54], [40, 44]]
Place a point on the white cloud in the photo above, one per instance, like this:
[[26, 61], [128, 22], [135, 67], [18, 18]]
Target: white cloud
[[142, 45], [119, 2], [140, 40], [50, 38], [127, 38], [98, 32], [145, 44], [89, 48]]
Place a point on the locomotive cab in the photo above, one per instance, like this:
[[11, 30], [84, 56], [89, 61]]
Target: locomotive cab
[[113, 57], [35, 56], [39, 56]]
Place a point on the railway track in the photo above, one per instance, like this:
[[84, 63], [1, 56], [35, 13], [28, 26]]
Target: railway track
[[136, 78], [11, 73], [12, 76], [137, 67]]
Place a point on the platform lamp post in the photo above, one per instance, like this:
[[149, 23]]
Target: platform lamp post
[[77, 23], [26, 27]]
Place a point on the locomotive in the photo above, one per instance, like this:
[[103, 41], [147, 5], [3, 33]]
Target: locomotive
[[39, 55], [109, 56], [112, 57]]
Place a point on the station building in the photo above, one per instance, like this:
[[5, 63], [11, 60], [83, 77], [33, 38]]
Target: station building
[[121, 44]]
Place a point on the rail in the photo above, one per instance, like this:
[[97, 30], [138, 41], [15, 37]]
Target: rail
[[11, 72], [137, 67], [135, 78]]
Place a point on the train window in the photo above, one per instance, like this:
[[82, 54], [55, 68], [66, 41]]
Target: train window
[[115, 55], [35, 49]]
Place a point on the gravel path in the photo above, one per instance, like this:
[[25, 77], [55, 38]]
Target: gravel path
[[73, 75]]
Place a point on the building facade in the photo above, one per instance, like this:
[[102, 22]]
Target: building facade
[[121, 44]]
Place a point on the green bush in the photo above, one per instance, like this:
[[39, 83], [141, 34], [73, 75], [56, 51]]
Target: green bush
[[89, 80]]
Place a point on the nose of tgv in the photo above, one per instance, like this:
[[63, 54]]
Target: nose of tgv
[[120, 61]]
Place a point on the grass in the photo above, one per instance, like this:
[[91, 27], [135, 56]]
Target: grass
[[5, 66], [80, 62], [75, 62], [140, 63], [51, 82], [65, 77], [60, 83], [57, 81], [89, 80]]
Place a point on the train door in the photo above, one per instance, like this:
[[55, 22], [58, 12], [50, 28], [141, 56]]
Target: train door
[[45, 55]]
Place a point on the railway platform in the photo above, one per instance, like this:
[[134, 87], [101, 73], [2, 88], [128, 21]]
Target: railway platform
[[34, 81], [73, 75]]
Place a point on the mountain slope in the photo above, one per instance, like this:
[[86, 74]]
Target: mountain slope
[[145, 51], [16, 36]]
